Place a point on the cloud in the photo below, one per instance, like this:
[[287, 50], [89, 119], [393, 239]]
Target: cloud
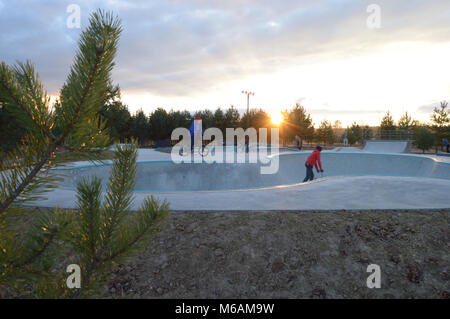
[[182, 48], [428, 108]]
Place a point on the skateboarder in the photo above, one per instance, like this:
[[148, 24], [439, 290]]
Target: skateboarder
[[446, 143], [345, 138], [299, 142], [312, 160]]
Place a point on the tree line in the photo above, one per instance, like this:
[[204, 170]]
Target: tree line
[[158, 126], [424, 135]]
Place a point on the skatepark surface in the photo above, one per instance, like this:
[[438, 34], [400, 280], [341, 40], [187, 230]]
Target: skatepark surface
[[352, 180], [384, 147]]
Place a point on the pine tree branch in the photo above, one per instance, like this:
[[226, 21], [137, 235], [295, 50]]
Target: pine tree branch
[[52, 147], [119, 196], [119, 193], [79, 108], [15, 99], [144, 232], [149, 217], [29, 74], [103, 59], [40, 251], [21, 187]]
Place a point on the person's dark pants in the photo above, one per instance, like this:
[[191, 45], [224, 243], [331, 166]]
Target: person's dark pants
[[309, 173], [448, 148]]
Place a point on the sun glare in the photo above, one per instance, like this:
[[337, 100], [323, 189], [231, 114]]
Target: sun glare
[[277, 118]]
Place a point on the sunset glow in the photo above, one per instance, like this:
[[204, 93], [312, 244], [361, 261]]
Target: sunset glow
[[276, 118]]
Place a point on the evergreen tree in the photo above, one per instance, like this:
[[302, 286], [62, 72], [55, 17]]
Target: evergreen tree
[[366, 133], [159, 125], [298, 122], [337, 124], [118, 120], [406, 125], [219, 120], [256, 119], [112, 232], [441, 123], [355, 134], [179, 119], [11, 132], [232, 117], [405, 122], [423, 138], [325, 133], [98, 235], [441, 116], [387, 126], [139, 127]]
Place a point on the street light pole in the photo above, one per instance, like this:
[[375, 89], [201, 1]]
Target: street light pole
[[248, 117], [248, 105]]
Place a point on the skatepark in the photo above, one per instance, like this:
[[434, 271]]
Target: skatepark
[[379, 176]]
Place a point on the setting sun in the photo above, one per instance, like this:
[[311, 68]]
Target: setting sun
[[277, 118]]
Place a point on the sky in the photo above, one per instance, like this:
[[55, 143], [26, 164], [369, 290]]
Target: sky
[[346, 60]]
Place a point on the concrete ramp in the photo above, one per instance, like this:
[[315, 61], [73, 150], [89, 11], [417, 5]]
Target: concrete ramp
[[387, 147]]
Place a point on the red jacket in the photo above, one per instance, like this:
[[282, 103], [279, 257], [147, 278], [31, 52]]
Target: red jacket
[[314, 158]]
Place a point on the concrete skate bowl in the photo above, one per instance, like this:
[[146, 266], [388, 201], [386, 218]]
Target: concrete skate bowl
[[387, 147], [166, 176]]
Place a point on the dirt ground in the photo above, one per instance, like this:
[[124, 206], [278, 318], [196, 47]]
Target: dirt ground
[[291, 255]]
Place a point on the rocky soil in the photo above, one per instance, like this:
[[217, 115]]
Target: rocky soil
[[291, 255]]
